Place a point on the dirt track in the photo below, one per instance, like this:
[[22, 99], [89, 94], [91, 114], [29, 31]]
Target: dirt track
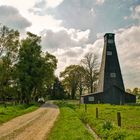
[[32, 126]]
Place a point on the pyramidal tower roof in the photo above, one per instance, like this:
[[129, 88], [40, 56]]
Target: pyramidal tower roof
[[110, 72]]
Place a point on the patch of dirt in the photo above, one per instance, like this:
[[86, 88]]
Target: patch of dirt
[[32, 126]]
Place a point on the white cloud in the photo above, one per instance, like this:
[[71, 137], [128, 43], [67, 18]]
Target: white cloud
[[128, 42], [100, 2], [53, 3], [68, 56], [38, 22]]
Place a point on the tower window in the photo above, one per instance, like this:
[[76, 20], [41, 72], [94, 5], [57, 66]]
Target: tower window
[[113, 75], [110, 41], [109, 52]]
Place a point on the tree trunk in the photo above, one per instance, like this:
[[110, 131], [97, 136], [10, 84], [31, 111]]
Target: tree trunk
[[73, 91]]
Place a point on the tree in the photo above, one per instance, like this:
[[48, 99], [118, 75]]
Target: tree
[[58, 90], [128, 90], [50, 66], [29, 66], [81, 78], [91, 66], [9, 44], [35, 69], [73, 79], [70, 80], [48, 77], [136, 91]]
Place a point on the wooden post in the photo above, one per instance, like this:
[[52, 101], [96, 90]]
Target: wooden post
[[85, 107], [119, 119], [96, 112]]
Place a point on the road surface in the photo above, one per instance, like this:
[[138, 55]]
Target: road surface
[[32, 126]]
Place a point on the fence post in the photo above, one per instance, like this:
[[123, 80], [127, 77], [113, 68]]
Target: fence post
[[119, 119], [96, 112]]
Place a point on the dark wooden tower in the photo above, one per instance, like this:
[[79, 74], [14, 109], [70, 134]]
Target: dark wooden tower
[[110, 86], [110, 78]]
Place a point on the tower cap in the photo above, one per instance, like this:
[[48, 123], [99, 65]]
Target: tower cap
[[109, 34]]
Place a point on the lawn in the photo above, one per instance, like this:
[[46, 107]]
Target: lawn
[[69, 125], [12, 111]]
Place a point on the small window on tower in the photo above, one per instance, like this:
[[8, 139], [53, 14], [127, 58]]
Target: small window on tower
[[113, 75], [110, 41], [109, 52]]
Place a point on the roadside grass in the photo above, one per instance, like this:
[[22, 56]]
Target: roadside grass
[[106, 124], [69, 126], [12, 111]]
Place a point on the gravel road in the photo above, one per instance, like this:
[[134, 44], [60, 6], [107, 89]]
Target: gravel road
[[32, 126]]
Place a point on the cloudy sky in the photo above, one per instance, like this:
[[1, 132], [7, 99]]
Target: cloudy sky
[[71, 28]]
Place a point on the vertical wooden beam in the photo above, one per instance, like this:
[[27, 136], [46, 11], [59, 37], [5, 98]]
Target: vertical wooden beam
[[97, 115], [119, 119]]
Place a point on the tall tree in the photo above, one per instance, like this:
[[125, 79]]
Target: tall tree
[[81, 78], [58, 90], [9, 45], [29, 66], [47, 79], [35, 69], [91, 66], [73, 79]]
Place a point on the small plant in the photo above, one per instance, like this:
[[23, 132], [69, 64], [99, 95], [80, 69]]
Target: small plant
[[107, 125]]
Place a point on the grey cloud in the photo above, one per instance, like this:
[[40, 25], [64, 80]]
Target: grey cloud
[[40, 8], [40, 4], [60, 39], [11, 17]]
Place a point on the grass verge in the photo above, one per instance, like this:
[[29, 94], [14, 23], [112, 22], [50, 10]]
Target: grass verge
[[12, 111], [69, 126]]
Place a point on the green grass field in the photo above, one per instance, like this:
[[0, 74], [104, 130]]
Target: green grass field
[[12, 111], [105, 126], [69, 126]]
